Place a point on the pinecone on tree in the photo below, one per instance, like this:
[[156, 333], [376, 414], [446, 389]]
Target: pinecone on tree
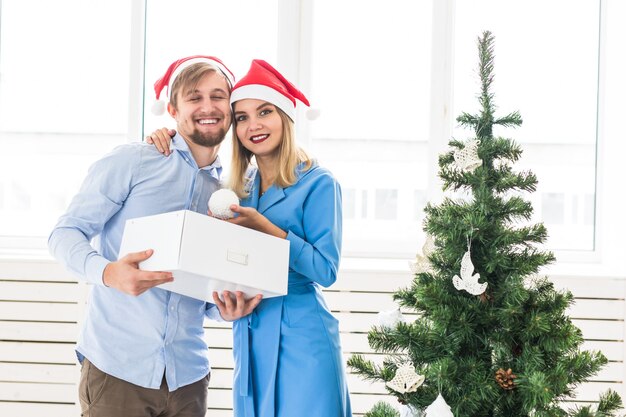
[[505, 378]]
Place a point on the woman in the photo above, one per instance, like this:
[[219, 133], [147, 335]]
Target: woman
[[287, 352]]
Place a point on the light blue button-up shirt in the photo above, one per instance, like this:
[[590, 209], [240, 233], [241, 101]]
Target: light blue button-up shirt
[[137, 339]]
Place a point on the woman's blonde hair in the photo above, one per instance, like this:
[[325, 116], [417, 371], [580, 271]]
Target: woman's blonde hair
[[290, 155]]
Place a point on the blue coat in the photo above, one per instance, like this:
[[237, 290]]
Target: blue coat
[[287, 353]]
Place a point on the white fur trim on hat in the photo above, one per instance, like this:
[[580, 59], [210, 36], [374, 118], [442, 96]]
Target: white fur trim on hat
[[265, 93]]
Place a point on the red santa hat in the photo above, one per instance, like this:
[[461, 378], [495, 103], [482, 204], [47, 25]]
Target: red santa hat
[[174, 71], [264, 82]]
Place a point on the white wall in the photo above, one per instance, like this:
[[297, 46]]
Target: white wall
[[41, 306]]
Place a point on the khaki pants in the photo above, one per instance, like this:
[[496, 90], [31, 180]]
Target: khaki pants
[[102, 395]]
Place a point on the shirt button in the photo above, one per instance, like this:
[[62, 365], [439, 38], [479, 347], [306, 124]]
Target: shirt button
[[172, 308]]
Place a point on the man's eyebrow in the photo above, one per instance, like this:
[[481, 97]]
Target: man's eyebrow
[[215, 90], [219, 90]]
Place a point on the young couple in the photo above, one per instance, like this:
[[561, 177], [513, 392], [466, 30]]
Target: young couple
[[142, 348]]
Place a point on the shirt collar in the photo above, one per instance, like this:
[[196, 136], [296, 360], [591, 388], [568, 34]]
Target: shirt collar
[[179, 144]]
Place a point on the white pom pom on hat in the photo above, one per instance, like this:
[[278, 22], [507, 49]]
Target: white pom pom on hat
[[174, 70], [158, 107], [264, 82]]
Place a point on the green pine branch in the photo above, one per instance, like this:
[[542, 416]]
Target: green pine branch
[[382, 409]]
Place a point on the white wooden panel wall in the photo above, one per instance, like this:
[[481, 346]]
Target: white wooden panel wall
[[41, 306]]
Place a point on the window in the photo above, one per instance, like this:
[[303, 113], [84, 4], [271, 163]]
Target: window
[[364, 204], [588, 205], [63, 103], [386, 204], [419, 203], [370, 83], [553, 209], [551, 77], [349, 203]]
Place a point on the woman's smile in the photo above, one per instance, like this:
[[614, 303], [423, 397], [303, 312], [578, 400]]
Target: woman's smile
[[259, 138]]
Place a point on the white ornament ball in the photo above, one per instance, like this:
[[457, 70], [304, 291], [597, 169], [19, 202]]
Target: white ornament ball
[[220, 202], [390, 318], [409, 411]]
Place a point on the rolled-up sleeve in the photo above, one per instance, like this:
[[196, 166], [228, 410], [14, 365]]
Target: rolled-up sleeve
[[101, 195]]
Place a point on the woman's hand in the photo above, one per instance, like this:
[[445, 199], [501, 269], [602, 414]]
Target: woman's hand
[[161, 139], [252, 219], [235, 306]]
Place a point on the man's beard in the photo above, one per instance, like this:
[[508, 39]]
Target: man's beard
[[207, 139]]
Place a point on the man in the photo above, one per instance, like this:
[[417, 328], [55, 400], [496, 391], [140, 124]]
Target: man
[[141, 348]]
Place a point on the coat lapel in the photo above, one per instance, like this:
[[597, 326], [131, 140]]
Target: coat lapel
[[272, 196]]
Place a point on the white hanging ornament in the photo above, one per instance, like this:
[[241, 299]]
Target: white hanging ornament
[[389, 318], [422, 263], [406, 380], [409, 411], [220, 202], [499, 163], [466, 159], [439, 408], [467, 281]]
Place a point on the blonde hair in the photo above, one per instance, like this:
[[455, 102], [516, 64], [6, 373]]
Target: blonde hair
[[290, 155], [189, 78]]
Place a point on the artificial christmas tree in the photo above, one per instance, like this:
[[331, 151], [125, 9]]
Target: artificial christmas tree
[[491, 337]]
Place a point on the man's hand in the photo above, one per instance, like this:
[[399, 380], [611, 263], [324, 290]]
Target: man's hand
[[235, 308], [125, 275]]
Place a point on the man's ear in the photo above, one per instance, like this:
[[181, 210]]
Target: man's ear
[[171, 110]]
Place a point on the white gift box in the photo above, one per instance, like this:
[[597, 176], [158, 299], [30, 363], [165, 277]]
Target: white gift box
[[206, 254]]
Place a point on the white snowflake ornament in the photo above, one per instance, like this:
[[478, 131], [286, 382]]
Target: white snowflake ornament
[[429, 246], [422, 263], [468, 280], [438, 408], [406, 380], [390, 318], [466, 159], [220, 202]]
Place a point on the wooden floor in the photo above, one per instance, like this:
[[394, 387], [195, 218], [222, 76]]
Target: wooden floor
[[41, 306]]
